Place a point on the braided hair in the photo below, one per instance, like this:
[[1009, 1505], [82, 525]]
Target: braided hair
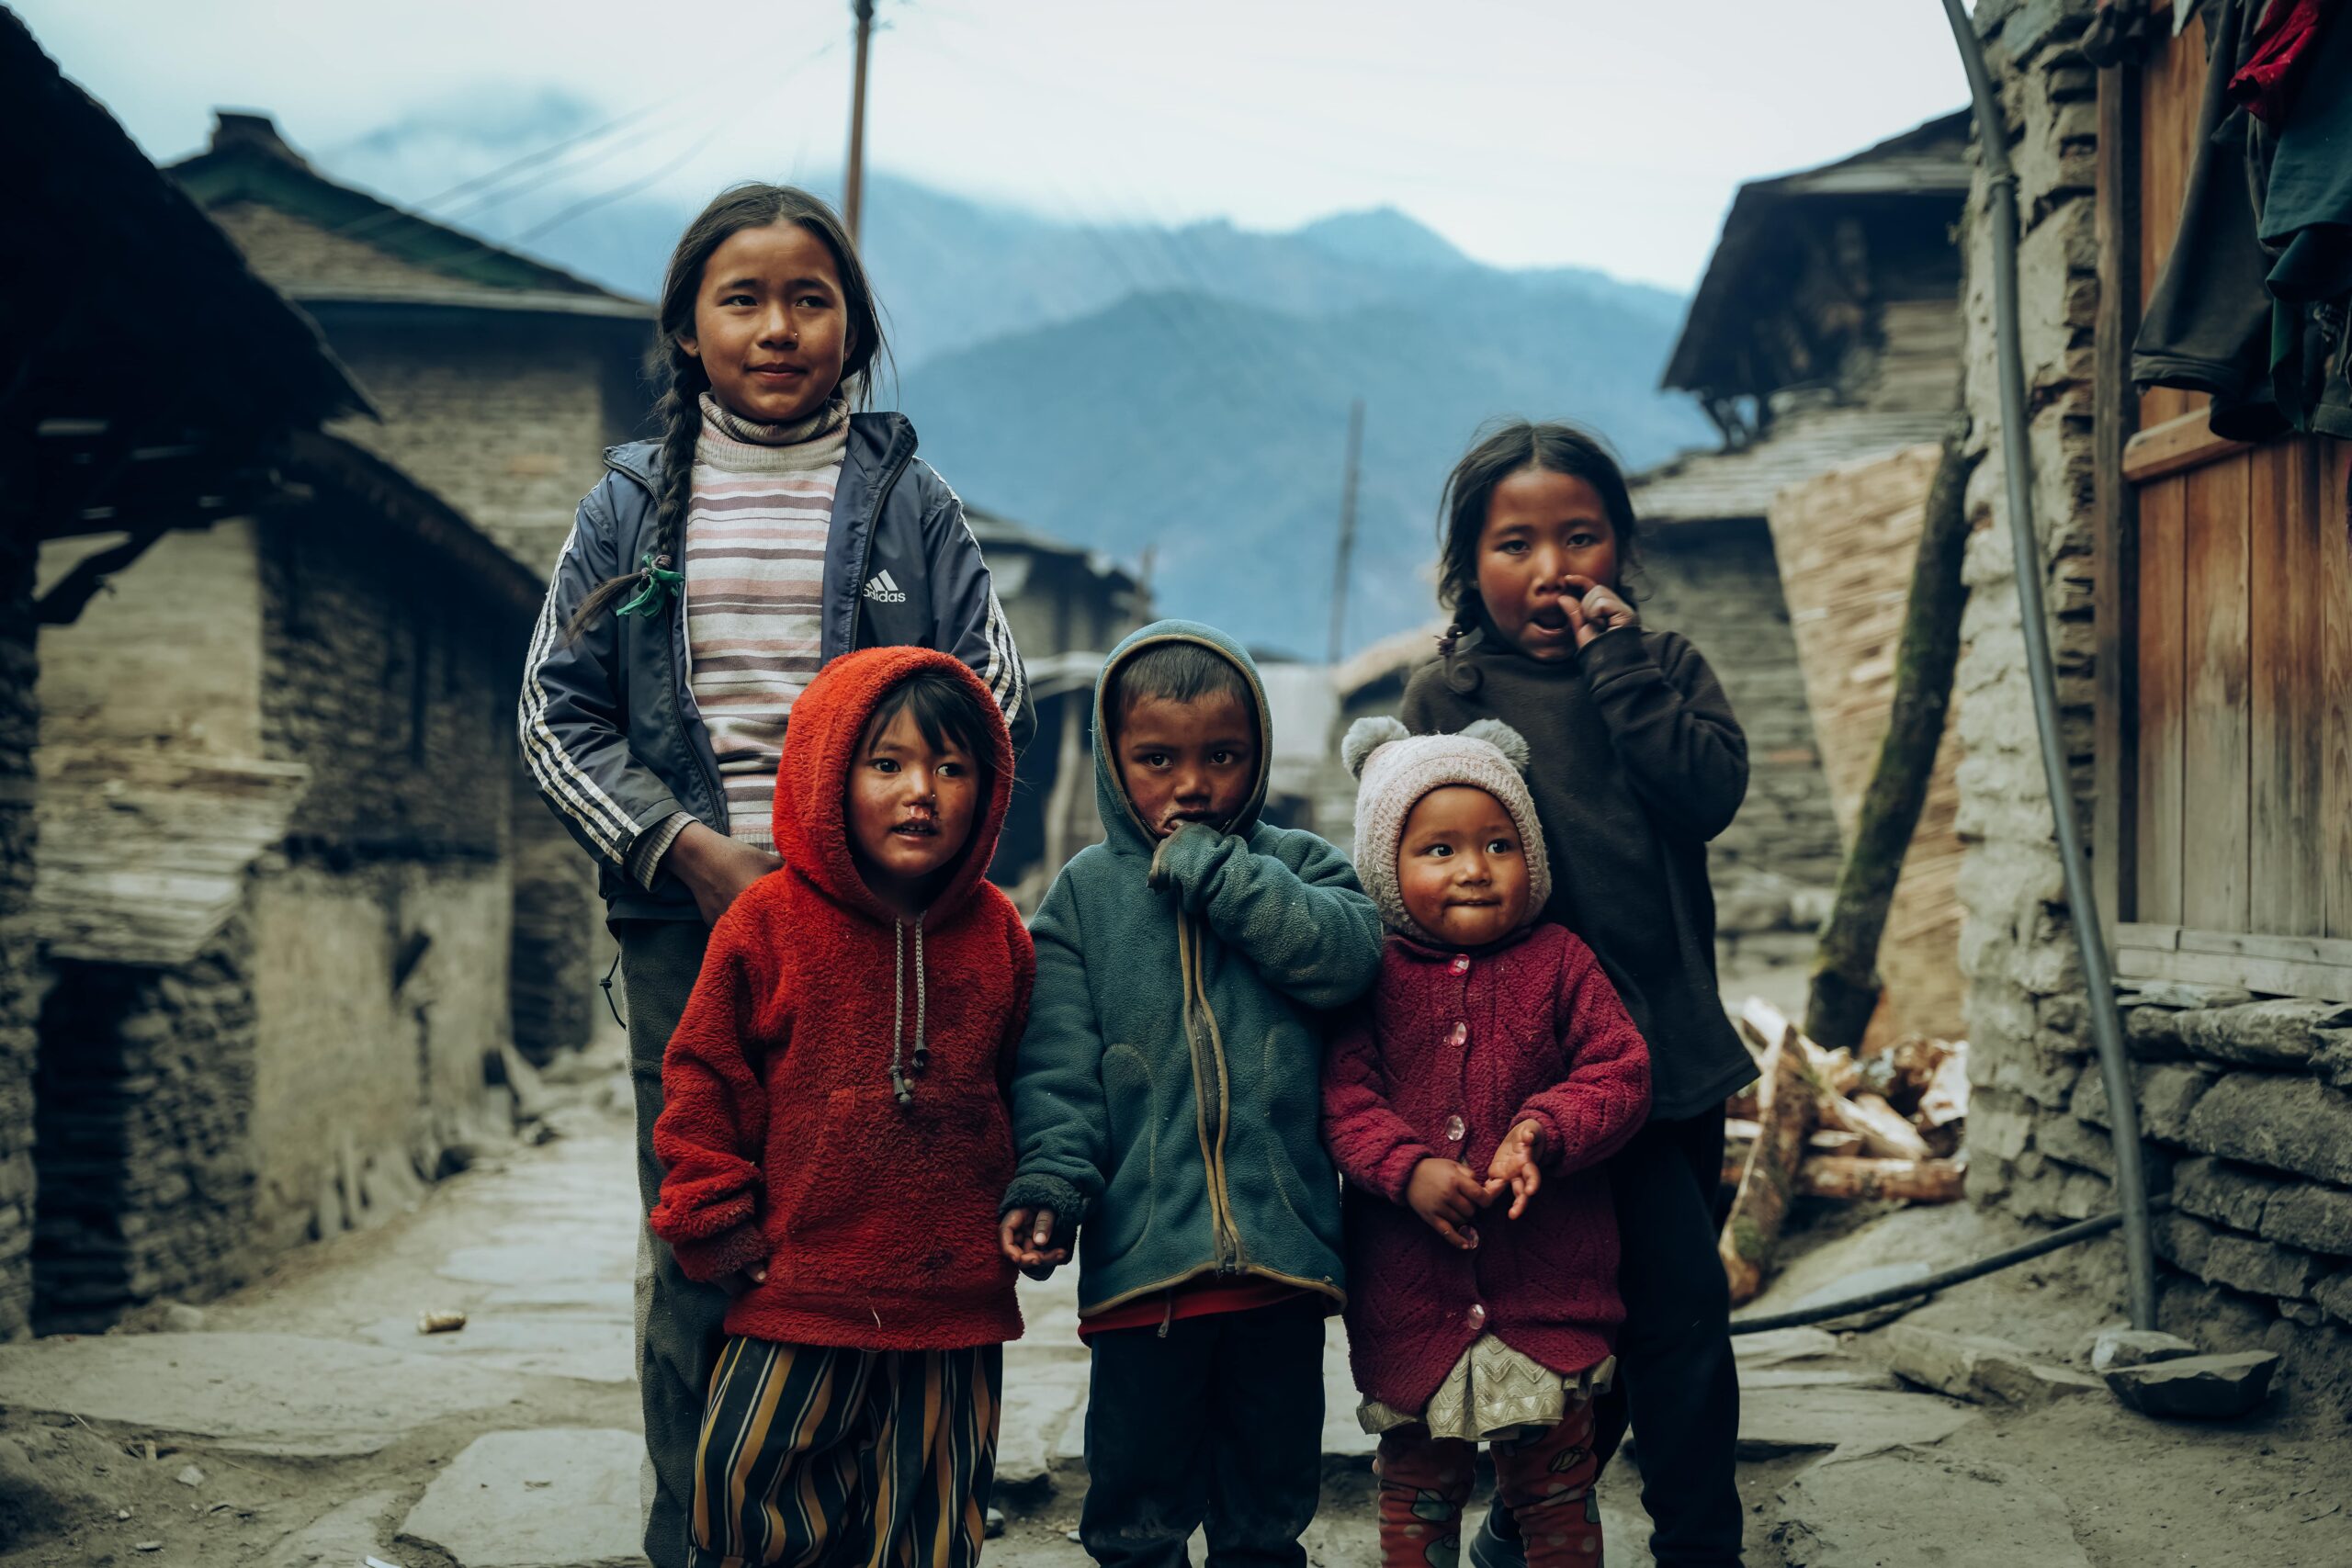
[[1551, 447], [682, 379]]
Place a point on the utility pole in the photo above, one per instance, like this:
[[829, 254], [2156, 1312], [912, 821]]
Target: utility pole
[[1347, 530], [853, 188]]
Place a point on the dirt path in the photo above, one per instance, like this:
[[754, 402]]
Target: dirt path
[[308, 1423]]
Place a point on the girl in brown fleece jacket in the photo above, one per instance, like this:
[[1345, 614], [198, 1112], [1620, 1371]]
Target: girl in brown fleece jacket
[[1636, 762]]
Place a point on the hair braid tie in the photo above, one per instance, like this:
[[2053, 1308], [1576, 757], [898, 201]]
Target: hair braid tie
[[658, 574]]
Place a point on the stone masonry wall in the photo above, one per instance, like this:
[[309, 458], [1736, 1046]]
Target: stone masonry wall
[[385, 926], [146, 1171], [506, 420], [19, 731], [1719, 584], [557, 927], [2246, 1105]]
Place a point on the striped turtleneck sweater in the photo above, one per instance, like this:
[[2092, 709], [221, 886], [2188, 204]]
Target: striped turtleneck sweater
[[762, 507]]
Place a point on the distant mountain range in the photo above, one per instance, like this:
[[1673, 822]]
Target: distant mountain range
[[1183, 391]]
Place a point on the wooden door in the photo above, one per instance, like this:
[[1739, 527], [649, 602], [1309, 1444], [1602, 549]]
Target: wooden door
[[2226, 849]]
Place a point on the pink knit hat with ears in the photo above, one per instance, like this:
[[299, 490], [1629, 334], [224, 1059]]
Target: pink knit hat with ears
[[1395, 768]]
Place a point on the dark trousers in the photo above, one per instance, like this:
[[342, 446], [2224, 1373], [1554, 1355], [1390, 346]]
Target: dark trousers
[[1675, 1384], [1220, 1423], [678, 1320]]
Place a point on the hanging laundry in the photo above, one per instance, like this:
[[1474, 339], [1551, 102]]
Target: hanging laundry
[[2284, 44], [2306, 222], [2208, 324]]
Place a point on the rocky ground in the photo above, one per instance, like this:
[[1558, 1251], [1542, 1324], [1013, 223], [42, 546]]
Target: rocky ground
[[307, 1422]]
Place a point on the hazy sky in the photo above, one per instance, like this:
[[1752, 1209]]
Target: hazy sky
[[1567, 132]]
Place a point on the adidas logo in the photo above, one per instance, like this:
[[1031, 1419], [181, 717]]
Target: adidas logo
[[883, 589]]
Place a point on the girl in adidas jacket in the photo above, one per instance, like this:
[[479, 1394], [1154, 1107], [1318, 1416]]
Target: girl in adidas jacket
[[708, 577]]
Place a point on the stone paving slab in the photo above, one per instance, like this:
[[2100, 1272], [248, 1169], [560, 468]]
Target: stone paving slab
[[1781, 1421], [269, 1394], [552, 1498], [348, 1536], [1042, 1397], [1913, 1505]]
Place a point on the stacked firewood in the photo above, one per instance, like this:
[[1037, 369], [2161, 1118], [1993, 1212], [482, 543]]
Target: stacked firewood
[[1886, 1124]]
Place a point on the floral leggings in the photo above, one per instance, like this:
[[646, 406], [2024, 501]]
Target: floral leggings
[[1546, 1480]]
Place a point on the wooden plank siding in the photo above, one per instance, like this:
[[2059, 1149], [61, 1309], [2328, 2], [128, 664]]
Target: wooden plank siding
[[2286, 662], [2333, 838], [2215, 851], [2227, 590]]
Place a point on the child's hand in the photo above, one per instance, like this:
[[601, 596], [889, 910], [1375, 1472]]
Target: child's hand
[[1599, 609], [1514, 1167], [1026, 1235], [746, 1279], [1445, 1193]]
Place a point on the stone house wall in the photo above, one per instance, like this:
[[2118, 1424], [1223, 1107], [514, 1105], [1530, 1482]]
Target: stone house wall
[[1719, 584], [556, 949], [307, 1066], [2245, 1105], [19, 981], [385, 925], [143, 1097], [505, 417]]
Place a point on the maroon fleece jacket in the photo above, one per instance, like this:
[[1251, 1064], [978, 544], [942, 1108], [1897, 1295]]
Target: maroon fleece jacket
[[782, 1135], [1542, 1037]]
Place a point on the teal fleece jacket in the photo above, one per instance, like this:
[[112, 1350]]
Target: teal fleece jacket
[[1166, 1096]]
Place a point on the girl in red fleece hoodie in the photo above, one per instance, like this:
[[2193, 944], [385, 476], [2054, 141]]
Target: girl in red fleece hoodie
[[1468, 1105], [834, 1134]]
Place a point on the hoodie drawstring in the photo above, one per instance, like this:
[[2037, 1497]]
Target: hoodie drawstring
[[901, 1084]]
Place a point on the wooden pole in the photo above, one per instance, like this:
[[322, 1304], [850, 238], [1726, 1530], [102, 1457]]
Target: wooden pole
[[1845, 989], [1785, 1109], [1347, 532], [853, 187]]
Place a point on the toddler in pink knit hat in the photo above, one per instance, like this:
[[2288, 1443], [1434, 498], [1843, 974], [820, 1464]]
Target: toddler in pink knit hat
[[1468, 1102]]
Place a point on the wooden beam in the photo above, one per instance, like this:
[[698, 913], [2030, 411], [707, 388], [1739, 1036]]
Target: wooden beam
[[2270, 976], [2176, 446], [2115, 541], [64, 603]]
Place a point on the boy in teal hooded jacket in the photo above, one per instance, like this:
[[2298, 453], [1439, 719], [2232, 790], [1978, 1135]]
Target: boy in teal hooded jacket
[[1165, 1104]]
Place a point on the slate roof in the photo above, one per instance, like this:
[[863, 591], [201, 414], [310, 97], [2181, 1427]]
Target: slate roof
[[1701, 486], [1929, 162], [89, 217], [250, 161]]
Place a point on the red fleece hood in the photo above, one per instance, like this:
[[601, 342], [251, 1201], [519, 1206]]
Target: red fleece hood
[[820, 747]]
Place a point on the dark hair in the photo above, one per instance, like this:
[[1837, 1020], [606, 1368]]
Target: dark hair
[[680, 375], [1552, 447], [1176, 673], [946, 711]]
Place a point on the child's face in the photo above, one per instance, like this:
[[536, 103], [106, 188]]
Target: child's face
[[1547, 539], [910, 805], [1194, 762], [770, 327], [1461, 868]]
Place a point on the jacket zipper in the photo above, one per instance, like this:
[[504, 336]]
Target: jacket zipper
[[1227, 1235], [866, 556]]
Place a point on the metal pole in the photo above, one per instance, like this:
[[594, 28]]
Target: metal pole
[[2017, 462], [1347, 531], [853, 187]]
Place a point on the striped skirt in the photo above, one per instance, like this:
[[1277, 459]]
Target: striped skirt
[[814, 1457]]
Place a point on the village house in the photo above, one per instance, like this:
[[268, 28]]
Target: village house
[[499, 381], [1069, 608], [1824, 333], [2203, 622], [254, 910]]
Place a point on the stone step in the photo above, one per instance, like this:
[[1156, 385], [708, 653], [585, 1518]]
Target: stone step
[[549, 1498]]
